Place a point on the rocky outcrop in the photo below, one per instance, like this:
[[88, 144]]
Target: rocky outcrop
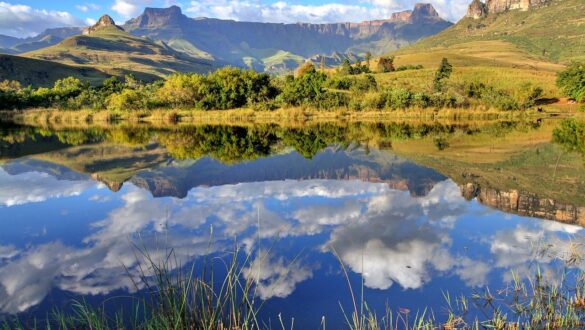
[[477, 9], [104, 22], [525, 204]]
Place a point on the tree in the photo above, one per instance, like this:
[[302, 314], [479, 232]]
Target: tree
[[386, 64], [180, 90], [346, 67], [368, 59], [305, 89], [444, 72], [322, 63], [572, 81]]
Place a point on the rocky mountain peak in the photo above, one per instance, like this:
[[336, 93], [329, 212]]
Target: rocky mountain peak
[[425, 9], [422, 12], [159, 17], [104, 22]]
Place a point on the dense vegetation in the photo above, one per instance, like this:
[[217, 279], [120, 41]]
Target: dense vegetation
[[572, 81], [352, 87]]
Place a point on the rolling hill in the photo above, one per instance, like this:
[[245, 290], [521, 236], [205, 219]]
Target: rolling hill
[[12, 45], [110, 49], [29, 71]]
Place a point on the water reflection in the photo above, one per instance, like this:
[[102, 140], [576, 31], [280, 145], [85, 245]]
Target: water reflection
[[293, 199]]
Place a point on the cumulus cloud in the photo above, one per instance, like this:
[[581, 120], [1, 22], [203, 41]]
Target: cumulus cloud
[[387, 235], [33, 187], [275, 277], [24, 21], [129, 8], [332, 12], [87, 7]]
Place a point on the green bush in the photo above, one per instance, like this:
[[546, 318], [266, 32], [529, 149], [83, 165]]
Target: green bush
[[364, 84], [399, 99], [304, 90], [339, 82], [572, 81]]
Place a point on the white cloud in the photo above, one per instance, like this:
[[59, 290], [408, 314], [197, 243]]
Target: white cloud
[[24, 21], [34, 187], [275, 277], [129, 8], [334, 12], [87, 7]]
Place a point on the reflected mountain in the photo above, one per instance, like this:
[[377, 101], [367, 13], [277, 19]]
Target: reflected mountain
[[501, 164], [330, 164], [408, 218]]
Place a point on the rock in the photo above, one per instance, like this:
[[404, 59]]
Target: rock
[[477, 10], [104, 22]]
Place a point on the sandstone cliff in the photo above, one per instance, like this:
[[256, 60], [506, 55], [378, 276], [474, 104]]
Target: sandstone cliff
[[478, 9]]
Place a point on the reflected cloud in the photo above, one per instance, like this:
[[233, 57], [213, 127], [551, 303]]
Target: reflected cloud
[[387, 235], [276, 277], [34, 187]]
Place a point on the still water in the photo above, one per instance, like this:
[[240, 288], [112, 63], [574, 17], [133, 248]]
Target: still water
[[414, 210]]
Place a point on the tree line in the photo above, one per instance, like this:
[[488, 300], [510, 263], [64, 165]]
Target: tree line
[[351, 87]]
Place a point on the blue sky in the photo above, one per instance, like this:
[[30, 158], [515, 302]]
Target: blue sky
[[28, 17]]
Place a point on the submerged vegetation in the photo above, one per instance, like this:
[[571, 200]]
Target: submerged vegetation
[[351, 88]]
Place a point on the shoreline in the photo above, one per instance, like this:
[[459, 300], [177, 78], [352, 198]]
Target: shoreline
[[298, 116]]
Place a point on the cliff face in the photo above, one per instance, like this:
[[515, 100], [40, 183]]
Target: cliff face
[[231, 41], [525, 204], [478, 9]]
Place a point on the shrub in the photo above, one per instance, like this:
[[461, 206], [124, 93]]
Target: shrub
[[409, 67], [331, 100], [364, 84], [399, 99], [374, 101], [339, 82], [444, 72], [181, 90], [572, 81], [127, 99], [386, 64], [305, 68], [304, 90]]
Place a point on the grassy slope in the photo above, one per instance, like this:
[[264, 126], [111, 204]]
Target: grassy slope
[[110, 48], [555, 33], [30, 71], [505, 50]]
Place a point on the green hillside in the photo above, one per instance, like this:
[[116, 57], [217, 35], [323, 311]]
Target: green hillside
[[555, 33], [108, 47], [35, 72]]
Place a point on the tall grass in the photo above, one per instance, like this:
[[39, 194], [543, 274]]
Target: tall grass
[[179, 297]]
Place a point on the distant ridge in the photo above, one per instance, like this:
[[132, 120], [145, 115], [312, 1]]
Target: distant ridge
[[257, 45]]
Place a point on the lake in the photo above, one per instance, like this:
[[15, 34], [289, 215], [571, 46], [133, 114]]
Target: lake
[[411, 210]]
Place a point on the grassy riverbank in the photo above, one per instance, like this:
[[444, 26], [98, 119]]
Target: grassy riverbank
[[40, 117]]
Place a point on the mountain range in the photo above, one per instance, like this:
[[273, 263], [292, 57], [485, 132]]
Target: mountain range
[[530, 35], [200, 42]]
